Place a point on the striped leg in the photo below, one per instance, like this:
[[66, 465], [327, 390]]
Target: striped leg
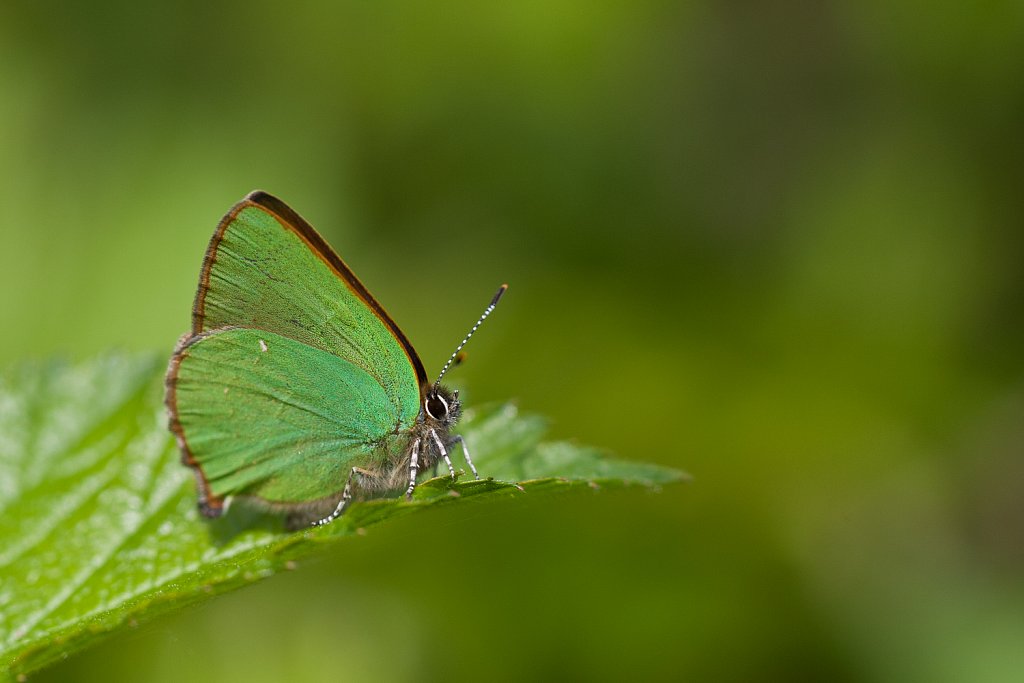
[[414, 468], [465, 452], [346, 498], [444, 452]]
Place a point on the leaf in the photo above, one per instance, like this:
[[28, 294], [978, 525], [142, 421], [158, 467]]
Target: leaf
[[98, 523]]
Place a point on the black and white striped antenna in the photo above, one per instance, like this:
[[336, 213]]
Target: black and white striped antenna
[[487, 312]]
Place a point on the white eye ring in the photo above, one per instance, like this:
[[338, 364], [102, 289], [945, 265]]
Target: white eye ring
[[426, 406]]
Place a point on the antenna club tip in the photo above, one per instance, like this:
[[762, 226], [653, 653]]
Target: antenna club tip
[[498, 295]]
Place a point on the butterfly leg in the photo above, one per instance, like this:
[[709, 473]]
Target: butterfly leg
[[414, 468], [444, 453], [346, 498], [465, 452]]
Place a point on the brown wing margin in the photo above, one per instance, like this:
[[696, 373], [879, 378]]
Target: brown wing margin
[[287, 217], [209, 504]]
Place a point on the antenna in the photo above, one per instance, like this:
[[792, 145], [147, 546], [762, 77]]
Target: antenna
[[487, 312]]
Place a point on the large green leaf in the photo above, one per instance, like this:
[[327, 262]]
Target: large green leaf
[[98, 524]]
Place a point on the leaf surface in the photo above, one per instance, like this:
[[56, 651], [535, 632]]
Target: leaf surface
[[98, 524]]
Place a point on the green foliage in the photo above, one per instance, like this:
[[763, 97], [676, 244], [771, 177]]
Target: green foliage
[[99, 527]]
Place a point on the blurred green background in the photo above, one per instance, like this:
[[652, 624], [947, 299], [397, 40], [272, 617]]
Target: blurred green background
[[776, 246]]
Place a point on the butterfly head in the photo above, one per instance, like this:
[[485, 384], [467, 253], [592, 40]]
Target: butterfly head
[[441, 404]]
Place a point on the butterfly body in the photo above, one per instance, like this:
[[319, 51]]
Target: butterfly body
[[431, 431], [294, 388]]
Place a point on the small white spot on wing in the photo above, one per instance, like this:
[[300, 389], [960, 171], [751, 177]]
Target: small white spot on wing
[[263, 346]]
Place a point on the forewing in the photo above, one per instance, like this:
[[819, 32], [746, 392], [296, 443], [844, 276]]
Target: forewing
[[266, 268], [259, 414]]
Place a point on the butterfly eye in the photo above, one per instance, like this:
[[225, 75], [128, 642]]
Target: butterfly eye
[[437, 407]]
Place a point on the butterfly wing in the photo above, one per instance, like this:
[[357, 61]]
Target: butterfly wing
[[338, 377], [273, 418], [266, 268]]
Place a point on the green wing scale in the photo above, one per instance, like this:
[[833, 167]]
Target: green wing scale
[[292, 373]]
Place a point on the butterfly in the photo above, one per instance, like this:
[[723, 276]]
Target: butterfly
[[294, 388]]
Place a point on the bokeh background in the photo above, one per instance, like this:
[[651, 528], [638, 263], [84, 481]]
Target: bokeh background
[[776, 245]]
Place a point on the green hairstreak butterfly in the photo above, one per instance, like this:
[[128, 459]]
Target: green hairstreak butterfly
[[295, 388]]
